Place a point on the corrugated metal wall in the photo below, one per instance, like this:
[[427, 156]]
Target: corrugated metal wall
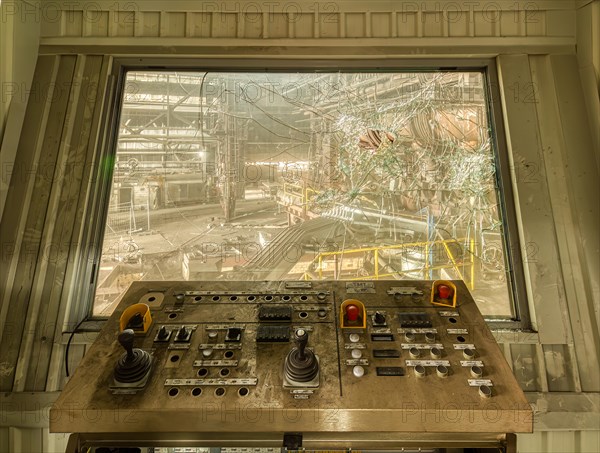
[[43, 233], [560, 442], [31, 440]]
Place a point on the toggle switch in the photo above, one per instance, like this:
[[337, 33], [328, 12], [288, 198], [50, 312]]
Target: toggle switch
[[163, 335], [183, 335], [379, 319], [234, 335]]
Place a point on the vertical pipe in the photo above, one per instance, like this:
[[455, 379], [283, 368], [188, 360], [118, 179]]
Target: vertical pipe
[[430, 239], [472, 252], [336, 273], [304, 197], [320, 267], [426, 267]]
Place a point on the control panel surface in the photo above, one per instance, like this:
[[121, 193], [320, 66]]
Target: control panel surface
[[293, 356]]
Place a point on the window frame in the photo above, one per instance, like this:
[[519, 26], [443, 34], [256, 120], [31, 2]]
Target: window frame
[[504, 174]]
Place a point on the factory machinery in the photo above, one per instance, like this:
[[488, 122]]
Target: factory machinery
[[227, 367]]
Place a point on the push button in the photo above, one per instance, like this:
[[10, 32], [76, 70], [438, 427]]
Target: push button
[[468, 353], [354, 337], [358, 371], [352, 313], [356, 353]]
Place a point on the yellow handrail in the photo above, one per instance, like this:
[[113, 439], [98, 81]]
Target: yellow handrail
[[452, 260], [302, 193], [454, 264], [389, 247]]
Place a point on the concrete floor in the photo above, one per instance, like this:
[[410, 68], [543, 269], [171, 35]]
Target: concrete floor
[[158, 254]]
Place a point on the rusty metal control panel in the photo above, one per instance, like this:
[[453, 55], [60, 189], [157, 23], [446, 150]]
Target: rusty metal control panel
[[294, 364]]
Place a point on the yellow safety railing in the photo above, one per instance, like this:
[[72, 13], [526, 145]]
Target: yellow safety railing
[[303, 194], [292, 190], [458, 266]]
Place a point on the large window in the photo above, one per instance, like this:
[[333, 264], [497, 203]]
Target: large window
[[306, 176]]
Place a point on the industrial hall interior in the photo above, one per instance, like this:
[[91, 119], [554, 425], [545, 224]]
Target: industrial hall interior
[[299, 226]]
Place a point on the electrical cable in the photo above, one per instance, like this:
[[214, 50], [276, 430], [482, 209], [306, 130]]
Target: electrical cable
[[69, 344]]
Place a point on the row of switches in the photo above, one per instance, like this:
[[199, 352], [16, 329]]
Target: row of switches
[[184, 335]]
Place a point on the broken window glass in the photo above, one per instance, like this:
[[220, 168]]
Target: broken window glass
[[305, 176]]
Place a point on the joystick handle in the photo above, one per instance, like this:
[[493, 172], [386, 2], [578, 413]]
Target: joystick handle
[[126, 340], [301, 340]]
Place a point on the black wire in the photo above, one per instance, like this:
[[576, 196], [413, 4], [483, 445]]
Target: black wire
[[69, 345], [202, 111]]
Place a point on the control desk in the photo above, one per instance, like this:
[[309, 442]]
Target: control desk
[[367, 365]]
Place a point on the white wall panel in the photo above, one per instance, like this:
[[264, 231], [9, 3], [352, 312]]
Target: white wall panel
[[325, 19], [559, 442], [427, 27]]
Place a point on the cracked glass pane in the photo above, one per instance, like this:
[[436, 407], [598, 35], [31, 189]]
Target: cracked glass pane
[[305, 176]]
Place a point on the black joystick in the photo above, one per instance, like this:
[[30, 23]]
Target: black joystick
[[301, 339], [126, 340], [301, 364], [134, 364]]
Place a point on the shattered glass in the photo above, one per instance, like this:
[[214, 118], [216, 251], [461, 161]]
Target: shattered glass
[[305, 176]]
